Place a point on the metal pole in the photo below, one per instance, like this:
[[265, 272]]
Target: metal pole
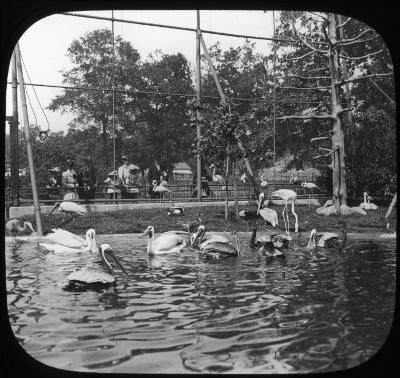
[[198, 97], [113, 96], [36, 205], [274, 97], [14, 136]]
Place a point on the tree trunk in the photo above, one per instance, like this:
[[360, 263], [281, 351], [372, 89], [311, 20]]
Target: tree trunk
[[235, 191], [338, 173], [226, 188], [256, 187]]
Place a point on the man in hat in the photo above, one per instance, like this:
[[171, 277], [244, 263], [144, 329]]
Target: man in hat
[[123, 173], [133, 182], [69, 181], [87, 179], [54, 183]]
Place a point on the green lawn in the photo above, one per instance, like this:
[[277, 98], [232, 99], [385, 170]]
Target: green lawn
[[135, 221]]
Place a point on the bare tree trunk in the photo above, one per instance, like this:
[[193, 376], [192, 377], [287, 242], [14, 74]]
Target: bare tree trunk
[[235, 191], [339, 173], [226, 188]]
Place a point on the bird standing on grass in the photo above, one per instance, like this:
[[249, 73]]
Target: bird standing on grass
[[288, 196], [69, 207], [175, 210], [367, 204], [218, 179]]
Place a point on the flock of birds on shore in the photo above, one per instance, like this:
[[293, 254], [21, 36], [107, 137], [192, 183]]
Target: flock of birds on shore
[[216, 244]]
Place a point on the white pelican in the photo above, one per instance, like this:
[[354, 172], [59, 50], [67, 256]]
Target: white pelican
[[168, 242], [328, 239], [269, 215], [99, 272], [66, 238], [13, 226], [367, 204], [287, 195], [327, 209], [88, 245], [70, 208], [219, 243], [271, 244], [175, 210]]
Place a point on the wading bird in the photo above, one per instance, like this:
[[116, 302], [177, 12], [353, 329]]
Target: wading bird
[[168, 242], [100, 270], [327, 209], [158, 188], [367, 204], [13, 226], [218, 179], [69, 208], [267, 214], [287, 196]]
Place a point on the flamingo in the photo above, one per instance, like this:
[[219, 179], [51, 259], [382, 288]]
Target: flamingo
[[218, 179], [174, 210], [13, 226], [367, 205], [307, 186], [66, 237], [216, 244], [158, 188], [98, 272], [168, 242], [287, 196], [327, 209]]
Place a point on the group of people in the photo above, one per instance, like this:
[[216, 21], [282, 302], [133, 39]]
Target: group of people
[[124, 182]]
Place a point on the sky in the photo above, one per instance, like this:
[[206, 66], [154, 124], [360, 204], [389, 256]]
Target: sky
[[44, 45]]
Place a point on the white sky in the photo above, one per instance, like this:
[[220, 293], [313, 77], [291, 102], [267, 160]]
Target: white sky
[[44, 45]]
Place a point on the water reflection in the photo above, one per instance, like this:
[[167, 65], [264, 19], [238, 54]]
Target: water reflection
[[310, 311]]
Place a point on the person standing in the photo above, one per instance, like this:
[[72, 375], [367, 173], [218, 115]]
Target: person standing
[[113, 185], [87, 179], [69, 181], [156, 173], [123, 173], [54, 183]]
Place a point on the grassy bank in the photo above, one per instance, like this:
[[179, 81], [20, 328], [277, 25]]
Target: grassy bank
[[135, 221]]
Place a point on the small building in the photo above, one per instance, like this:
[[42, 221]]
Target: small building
[[182, 171]]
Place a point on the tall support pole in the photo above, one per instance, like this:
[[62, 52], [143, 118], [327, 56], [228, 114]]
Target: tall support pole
[[223, 100], [14, 135], [28, 143], [274, 94], [113, 96], [345, 74], [198, 97]]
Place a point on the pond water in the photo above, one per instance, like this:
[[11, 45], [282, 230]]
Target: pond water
[[187, 313]]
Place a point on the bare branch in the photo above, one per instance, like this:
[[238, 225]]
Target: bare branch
[[345, 110], [325, 116], [306, 88], [323, 52], [324, 149], [303, 56], [317, 139], [343, 23], [311, 77], [342, 82], [341, 43], [361, 57], [319, 69], [321, 156], [318, 15], [357, 37]]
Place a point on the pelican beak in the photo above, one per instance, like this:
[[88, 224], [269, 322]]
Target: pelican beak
[[29, 225], [111, 253]]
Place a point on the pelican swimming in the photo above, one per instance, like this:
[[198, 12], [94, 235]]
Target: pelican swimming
[[66, 238], [270, 244], [13, 226], [87, 245], [216, 243], [168, 242], [100, 270], [328, 239], [287, 196]]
